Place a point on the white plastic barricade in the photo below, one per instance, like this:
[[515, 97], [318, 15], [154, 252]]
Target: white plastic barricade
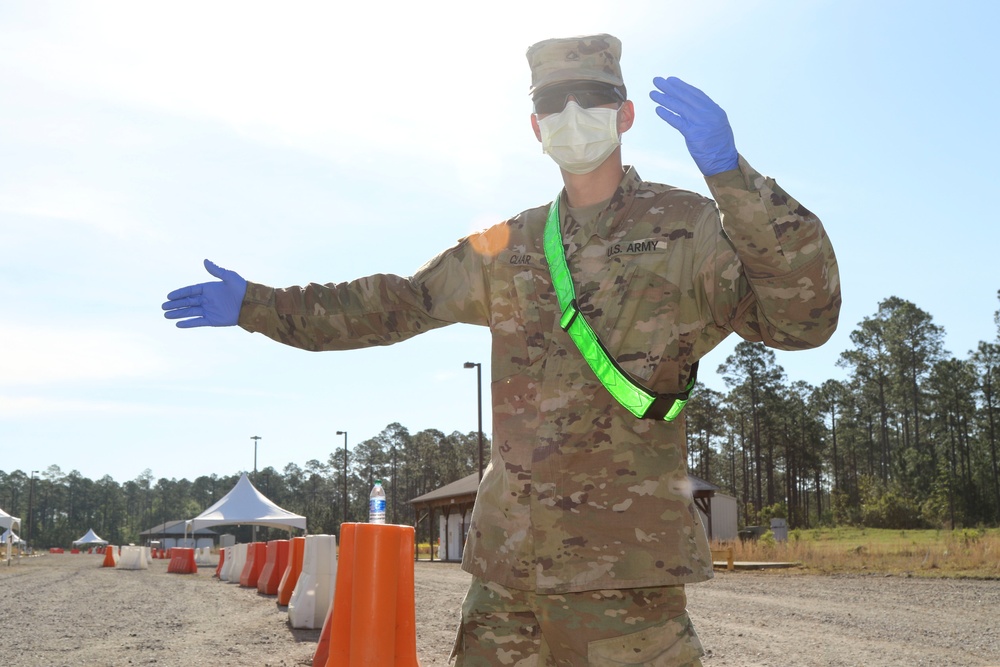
[[227, 563], [313, 594], [234, 567], [132, 558], [203, 556]]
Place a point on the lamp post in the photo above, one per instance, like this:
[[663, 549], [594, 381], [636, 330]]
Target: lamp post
[[479, 395], [31, 493], [255, 438], [393, 518], [344, 433]]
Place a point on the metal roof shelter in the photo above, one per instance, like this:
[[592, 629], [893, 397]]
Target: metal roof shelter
[[703, 492], [458, 496], [173, 529]]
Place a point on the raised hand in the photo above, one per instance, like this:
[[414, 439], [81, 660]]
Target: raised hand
[[213, 304], [701, 121]]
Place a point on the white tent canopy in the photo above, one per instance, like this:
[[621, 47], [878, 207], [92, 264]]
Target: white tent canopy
[[90, 538], [9, 539], [246, 505], [8, 521], [12, 536]]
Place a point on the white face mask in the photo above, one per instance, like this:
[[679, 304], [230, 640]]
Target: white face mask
[[579, 139]]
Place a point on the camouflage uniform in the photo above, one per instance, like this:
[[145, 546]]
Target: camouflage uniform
[[580, 495]]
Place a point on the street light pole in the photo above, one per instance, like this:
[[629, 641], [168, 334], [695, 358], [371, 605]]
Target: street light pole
[[344, 433], [31, 493], [255, 438], [479, 394]]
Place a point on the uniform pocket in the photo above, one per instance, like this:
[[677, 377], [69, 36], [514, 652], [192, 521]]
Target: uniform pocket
[[670, 644], [530, 312], [523, 313]]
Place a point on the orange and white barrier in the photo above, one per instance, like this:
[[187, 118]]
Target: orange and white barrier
[[373, 619], [296, 551], [275, 563], [313, 594]]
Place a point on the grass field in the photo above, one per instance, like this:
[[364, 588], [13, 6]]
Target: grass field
[[969, 553], [931, 553]]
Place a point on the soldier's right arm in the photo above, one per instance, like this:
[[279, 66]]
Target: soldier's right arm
[[376, 310]]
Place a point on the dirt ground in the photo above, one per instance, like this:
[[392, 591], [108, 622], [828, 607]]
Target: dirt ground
[[66, 609]]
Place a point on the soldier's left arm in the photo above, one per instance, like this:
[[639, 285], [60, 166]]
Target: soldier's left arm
[[784, 289]]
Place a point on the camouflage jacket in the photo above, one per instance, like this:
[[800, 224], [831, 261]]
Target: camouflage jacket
[[579, 494]]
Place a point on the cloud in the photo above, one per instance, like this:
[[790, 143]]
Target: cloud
[[69, 202], [38, 355], [21, 407]]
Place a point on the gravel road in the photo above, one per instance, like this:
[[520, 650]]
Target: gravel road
[[68, 610]]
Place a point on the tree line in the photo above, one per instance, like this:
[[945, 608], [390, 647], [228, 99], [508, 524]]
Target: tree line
[[56, 508], [908, 440]]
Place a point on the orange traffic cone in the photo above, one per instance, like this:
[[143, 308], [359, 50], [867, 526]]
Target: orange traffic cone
[[372, 621], [109, 557]]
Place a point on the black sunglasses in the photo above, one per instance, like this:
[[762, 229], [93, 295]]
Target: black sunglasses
[[586, 93]]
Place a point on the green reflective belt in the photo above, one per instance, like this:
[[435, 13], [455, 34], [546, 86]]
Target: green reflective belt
[[635, 398]]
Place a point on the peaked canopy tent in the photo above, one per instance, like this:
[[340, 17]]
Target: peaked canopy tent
[[244, 504], [12, 536], [8, 521], [90, 538], [9, 537]]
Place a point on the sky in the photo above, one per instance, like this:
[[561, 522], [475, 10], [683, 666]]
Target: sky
[[314, 142]]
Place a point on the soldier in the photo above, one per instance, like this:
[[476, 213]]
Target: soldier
[[600, 305]]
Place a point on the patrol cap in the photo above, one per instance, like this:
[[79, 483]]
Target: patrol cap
[[583, 58]]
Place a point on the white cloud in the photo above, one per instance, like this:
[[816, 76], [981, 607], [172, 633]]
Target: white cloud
[[36, 355], [69, 202], [22, 407], [392, 76]]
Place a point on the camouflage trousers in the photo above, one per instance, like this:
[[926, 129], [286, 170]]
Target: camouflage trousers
[[635, 626]]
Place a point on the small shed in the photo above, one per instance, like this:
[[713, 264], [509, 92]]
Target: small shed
[[454, 502], [718, 510]]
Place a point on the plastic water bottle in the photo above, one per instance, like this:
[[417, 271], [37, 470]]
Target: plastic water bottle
[[376, 503]]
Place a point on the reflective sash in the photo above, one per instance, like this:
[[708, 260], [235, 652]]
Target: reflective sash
[[635, 398]]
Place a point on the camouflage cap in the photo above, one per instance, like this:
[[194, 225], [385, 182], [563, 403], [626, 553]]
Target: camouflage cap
[[585, 58]]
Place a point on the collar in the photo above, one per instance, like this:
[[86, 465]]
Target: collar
[[609, 219]]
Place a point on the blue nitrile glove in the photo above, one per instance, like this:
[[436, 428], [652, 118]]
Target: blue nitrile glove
[[215, 304], [703, 123]]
